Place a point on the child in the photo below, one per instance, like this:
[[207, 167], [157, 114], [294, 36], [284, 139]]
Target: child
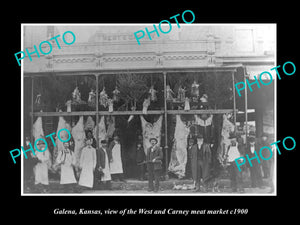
[[87, 165], [66, 159], [140, 160]]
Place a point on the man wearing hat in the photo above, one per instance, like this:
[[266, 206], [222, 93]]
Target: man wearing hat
[[201, 163], [231, 155], [255, 172], [102, 171], [265, 164], [100, 164], [154, 164], [114, 153], [41, 168]]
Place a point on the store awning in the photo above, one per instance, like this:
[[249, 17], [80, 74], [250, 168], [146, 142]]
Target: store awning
[[257, 70], [212, 69]]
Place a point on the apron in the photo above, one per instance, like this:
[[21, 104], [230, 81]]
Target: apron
[[41, 169], [106, 173], [67, 173], [116, 164], [88, 164]]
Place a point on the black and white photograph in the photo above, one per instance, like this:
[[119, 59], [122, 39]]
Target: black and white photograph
[[149, 109]]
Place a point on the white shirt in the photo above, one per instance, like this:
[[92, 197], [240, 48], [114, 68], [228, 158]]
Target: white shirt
[[233, 153], [252, 148]]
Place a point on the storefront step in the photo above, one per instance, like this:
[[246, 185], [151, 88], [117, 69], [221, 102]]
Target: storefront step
[[132, 185]]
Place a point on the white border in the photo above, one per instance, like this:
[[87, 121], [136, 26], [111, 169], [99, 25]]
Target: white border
[[145, 194]]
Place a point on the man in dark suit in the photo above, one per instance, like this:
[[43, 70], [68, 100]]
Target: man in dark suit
[[201, 162], [192, 155], [255, 171], [265, 164], [100, 164], [154, 165], [188, 167]]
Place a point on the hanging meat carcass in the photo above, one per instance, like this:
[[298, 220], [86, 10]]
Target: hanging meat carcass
[[62, 124], [110, 126], [116, 94], [181, 94], [103, 98], [146, 104], [187, 104], [227, 128], [169, 93], [179, 153], [78, 135], [38, 132], [37, 129], [92, 98], [195, 89], [102, 135], [89, 124], [152, 93], [151, 131]]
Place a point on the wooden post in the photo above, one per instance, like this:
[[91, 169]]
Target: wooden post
[[31, 117], [234, 101], [97, 110], [246, 107], [166, 125]]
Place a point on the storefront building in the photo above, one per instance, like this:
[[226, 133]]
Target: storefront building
[[108, 60]]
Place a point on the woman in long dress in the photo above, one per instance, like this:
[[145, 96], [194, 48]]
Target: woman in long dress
[[87, 165]]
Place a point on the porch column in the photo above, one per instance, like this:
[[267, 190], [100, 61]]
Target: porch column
[[246, 106], [166, 125], [234, 101], [31, 116], [97, 110]]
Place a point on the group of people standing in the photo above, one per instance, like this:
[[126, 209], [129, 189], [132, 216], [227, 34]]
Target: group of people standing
[[96, 167], [202, 168]]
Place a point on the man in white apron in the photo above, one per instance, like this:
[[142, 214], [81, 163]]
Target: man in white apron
[[87, 165], [115, 159], [41, 168], [66, 160], [235, 176]]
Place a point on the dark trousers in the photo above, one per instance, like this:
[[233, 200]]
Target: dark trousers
[[117, 177], [199, 173], [188, 168], [153, 175], [235, 176], [141, 171], [266, 168], [255, 174], [203, 172]]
